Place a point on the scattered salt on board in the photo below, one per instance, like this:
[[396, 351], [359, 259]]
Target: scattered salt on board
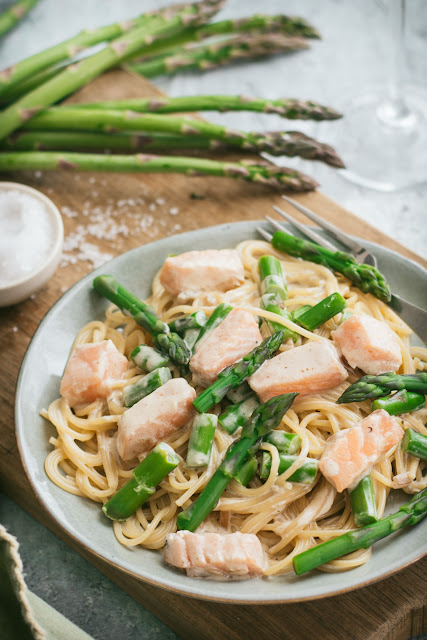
[[26, 236]]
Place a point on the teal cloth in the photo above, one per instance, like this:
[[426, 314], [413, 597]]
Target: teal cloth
[[23, 615]]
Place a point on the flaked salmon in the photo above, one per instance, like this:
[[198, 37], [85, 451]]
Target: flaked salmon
[[154, 418], [308, 369], [230, 555], [233, 338], [91, 371], [368, 344], [194, 272], [349, 454]]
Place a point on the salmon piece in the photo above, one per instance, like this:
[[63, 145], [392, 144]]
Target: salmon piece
[[368, 344], [194, 272], [308, 369], [233, 338], [91, 371], [154, 418], [349, 454], [231, 555]]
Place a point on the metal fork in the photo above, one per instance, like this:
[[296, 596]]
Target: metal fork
[[414, 316]]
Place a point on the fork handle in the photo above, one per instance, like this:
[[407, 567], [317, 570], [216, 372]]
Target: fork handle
[[414, 316]]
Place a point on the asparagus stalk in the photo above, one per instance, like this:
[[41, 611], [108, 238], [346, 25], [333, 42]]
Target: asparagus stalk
[[236, 415], [82, 72], [15, 13], [369, 387], [216, 317], [288, 443], [234, 375], [133, 393], [289, 108], [363, 503], [366, 277], [401, 402], [196, 320], [247, 472], [209, 56], [148, 359], [305, 474], [313, 317], [144, 315], [409, 514], [201, 440], [263, 420], [274, 293], [415, 444], [240, 393], [147, 475], [259, 172]]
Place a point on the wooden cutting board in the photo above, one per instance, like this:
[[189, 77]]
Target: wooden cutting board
[[149, 207]]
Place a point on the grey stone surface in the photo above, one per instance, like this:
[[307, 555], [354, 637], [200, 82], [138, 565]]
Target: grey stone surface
[[352, 55]]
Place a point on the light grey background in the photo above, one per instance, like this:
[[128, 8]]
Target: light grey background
[[352, 55]]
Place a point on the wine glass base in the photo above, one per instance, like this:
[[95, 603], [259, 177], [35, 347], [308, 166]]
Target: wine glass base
[[381, 151]]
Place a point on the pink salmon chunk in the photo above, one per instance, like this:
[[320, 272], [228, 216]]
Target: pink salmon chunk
[[154, 418], [349, 454], [91, 371], [230, 555], [308, 369], [368, 344], [233, 338], [192, 273]]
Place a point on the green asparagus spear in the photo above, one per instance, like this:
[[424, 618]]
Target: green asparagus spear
[[147, 475], [400, 402], [145, 316], [216, 317], [196, 320], [259, 172], [363, 503], [263, 420], [364, 276], [409, 514], [313, 317], [247, 472], [240, 393], [236, 415], [289, 443], [15, 13], [148, 359], [369, 387], [133, 393], [274, 293], [201, 440], [415, 444], [234, 375], [306, 473]]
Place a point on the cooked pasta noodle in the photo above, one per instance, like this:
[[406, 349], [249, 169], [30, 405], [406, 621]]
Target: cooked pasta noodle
[[287, 517]]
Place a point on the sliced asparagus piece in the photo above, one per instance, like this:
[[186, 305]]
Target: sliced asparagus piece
[[262, 173], [289, 443], [133, 393], [12, 15], [201, 440], [145, 316], [149, 359], [247, 472], [409, 514], [234, 375], [196, 320], [364, 276], [313, 317], [147, 475], [274, 293], [369, 387], [236, 415], [216, 317], [305, 474], [400, 402], [363, 503], [263, 420], [415, 444], [239, 394]]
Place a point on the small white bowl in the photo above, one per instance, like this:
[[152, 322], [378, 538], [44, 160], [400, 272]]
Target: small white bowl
[[19, 290]]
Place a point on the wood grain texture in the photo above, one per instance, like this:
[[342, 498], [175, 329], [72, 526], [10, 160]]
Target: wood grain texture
[[393, 609]]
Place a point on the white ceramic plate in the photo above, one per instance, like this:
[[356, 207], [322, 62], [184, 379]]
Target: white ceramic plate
[[82, 519]]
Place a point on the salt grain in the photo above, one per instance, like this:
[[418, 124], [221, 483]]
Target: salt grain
[[174, 211]]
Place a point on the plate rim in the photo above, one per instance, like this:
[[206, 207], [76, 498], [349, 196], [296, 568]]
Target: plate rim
[[250, 226]]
